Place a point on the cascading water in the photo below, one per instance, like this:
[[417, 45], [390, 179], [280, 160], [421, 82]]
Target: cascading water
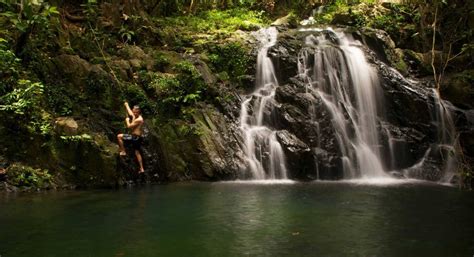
[[335, 69], [447, 137], [263, 153], [443, 149], [337, 101]]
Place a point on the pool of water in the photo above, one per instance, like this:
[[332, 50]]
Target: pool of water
[[242, 219]]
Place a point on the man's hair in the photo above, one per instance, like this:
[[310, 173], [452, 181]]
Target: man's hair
[[138, 108]]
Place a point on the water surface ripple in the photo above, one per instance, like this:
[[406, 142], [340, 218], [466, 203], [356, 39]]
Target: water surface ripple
[[242, 219]]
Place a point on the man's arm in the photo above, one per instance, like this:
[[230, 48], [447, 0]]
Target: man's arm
[[127, 107], [135, 123]]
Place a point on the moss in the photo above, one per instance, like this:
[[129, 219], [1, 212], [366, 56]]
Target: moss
[[398, 61], [176, 150], [458, 89], [416, 62], [87, 162], [179, 32]]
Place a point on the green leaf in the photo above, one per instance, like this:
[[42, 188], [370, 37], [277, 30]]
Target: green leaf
[[53, 10]]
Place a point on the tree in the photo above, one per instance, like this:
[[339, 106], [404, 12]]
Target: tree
[[451, 35]]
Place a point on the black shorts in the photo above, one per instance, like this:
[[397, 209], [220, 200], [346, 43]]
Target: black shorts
[[133, 141]]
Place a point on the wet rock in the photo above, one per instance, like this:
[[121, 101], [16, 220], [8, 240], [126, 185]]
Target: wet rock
[[285, 54], [4, 186], [210, 150], [328, 165], [87, 163], [302, 113], [407, 145], [220, 158], [299, 159], [380, 42]]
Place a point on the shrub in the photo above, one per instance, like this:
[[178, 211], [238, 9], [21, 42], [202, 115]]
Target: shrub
[[231, 58], [136, 96], [22, 107], [161, 61], [9, 67], [26, 176]]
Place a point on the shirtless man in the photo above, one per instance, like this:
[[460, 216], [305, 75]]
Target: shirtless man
[[135, 138]]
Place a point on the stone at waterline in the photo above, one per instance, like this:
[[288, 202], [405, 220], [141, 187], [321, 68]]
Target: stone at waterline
[[299, 159]]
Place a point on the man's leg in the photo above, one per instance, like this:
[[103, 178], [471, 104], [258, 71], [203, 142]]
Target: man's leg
[[121, 146], [140, 161]]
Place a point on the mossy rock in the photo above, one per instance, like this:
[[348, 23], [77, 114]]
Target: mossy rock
[[458, 89], [218, 145], [177, 149], [87, 163], [378, 41], [416, 63], [165, 60], [121, 68], [398, 61], [73, 67], [130, 52]]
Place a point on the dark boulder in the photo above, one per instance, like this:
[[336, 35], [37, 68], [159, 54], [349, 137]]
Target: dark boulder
[[299, 159]]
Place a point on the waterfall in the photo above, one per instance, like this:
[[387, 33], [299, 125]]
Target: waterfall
[[339, 94], [334, 68], [446, 133], [263, 153], [442, 149]]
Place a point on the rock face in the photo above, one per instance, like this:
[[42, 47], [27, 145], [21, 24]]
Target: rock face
[[210, 151]]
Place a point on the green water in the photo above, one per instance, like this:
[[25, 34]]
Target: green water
[[222, 219]]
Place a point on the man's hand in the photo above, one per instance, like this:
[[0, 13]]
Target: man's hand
[[127, 108], [127, 120]]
